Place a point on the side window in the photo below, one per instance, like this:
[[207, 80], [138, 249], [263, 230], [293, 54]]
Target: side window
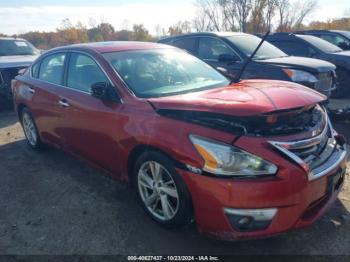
[[293, 48], [35, 70], [211, 48], [335, 40], [188, 44], [83, 72], [51, 69]]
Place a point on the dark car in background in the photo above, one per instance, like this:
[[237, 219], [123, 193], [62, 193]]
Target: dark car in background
[[311, 46], [228, 52], [15, 54], [339, 38]]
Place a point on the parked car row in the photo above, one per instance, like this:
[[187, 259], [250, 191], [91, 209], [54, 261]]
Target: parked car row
[[15, 54], [228, 52], [243, 158], [310, 46]]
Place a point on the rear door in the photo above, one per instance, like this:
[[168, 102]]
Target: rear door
[[43, 88], [91, 124]]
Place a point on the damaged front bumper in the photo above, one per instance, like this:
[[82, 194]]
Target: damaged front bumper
[[301, 192]]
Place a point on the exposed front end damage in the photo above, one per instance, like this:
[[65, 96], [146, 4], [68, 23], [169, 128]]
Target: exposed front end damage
[[284, 122]]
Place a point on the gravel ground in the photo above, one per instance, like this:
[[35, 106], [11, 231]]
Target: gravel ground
[[50, 203]]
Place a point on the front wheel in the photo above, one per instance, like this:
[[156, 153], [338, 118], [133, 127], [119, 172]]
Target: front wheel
[[30, 130], [161, 190]]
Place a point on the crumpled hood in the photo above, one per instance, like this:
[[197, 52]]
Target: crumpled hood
[[16, 61], [246, 98], [316, 65]]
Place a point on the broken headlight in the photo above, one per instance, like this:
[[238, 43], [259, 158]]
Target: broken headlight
[[226, 160]]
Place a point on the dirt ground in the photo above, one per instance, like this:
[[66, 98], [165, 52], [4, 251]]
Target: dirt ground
[[50, 203]]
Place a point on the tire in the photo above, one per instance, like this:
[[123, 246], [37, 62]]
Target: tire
[[30, 130], [343, 89], [178, 212]]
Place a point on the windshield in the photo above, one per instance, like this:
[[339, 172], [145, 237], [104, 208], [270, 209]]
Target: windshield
[[346, 34], [164, 72], [320, 44], [248, 43], [11, 47]]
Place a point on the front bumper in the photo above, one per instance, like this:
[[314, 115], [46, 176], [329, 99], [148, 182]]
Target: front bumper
[[299, 201]]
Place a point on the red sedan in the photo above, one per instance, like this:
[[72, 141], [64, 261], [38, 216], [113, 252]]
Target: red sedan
[[247, 159]]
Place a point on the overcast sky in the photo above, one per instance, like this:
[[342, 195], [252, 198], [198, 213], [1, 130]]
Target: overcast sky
[[19, 16]]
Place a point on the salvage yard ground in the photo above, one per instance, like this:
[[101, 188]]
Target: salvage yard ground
[[50, 203]]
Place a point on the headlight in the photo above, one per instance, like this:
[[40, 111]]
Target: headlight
[[300, 76], [227, 160]]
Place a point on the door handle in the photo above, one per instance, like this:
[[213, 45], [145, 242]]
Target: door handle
[[63, 102], [31, 90]]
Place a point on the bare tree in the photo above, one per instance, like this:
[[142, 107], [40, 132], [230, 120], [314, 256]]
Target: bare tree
[[209, 16], [291, 16], [181, 27], [302, 9], [243, 9]]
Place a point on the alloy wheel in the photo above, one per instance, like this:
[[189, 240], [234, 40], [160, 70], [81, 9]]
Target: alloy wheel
[[29, 129], [158, 190]]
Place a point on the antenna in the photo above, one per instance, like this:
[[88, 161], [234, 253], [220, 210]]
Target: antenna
[[239, 75]]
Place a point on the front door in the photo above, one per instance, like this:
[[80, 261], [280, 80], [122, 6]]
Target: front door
[[91, 124]]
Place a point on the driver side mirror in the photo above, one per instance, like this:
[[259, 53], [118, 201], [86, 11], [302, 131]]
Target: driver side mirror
[[104, 91], [228, 58]]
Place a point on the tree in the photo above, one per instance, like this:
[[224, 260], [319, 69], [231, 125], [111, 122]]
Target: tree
[[181, 27], [140, 33], [291, 16]]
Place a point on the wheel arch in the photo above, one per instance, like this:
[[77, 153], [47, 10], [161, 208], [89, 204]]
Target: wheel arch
[[137, 151], [20, 108]]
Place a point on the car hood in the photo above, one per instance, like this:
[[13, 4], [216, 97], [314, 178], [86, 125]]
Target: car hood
[[342, 54], [246, 98], [316, 65], [16, 61]]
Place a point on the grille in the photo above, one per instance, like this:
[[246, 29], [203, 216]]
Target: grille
[[317, 155]]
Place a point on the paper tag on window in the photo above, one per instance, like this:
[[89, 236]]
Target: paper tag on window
[[20, 43]]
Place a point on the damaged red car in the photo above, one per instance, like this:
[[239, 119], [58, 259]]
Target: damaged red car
[[247, 159]]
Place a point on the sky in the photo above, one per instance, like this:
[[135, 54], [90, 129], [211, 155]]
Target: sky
[[20, 16]]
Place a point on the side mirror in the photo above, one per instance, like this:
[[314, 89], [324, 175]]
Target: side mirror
[[227, 58], [104, 91], [99, 90]]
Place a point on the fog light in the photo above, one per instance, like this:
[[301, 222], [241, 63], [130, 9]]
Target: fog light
[[250, 219]]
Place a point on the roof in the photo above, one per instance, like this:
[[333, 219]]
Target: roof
[[11, 38], [319, 31], [220, 34], [115, 46]]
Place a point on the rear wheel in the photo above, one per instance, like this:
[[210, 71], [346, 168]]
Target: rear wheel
[[161, 190], [30, 130]]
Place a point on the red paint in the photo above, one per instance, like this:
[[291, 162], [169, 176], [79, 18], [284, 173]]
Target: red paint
[[105, 134]]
